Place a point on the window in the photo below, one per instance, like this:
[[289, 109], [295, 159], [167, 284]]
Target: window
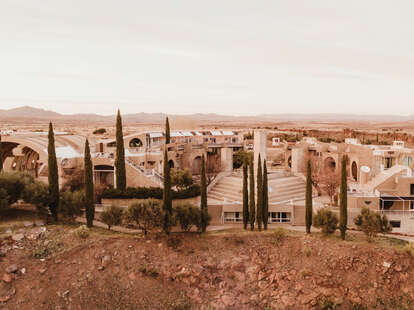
[[412, 205], [395, 224], [388, 162], [411, 189]]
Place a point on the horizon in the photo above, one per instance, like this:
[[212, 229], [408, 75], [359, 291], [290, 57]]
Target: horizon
[[224, 58]]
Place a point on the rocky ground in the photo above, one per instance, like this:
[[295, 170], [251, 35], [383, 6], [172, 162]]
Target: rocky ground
[[50, 267]]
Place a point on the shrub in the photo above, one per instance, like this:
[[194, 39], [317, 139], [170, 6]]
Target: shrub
[[37, 193], [326, 220], [187, 216], [4, 199], [99, 131], [174, 242], [71, 205], [147, 215], [13, 184], [409, 248], [75, 181], [372, 223], [278, 236], [149, 192], [181, 179], [112, 216], [82, 232]]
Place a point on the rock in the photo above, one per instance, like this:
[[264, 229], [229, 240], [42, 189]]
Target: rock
[[12, 268], [40, 223], [18, 237], [43, 271], [132, 276], [100, 268], [7, 277], [398, 268], [227, 300], [35, 233], [386, 264], [23, 270], [106, 260], [27, 224]]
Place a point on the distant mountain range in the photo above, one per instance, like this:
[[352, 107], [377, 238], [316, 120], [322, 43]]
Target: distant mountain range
[[31, 113]]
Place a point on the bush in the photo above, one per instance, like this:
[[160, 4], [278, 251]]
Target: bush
[[71, 205], [147, 215], [181, 179], [278, 236], [149, 192], [4, 199], [37, 193], [326, 220], [13, 185], [409, 248], [99, 131], [82, 232], [75, 181], [372, 223], [187, 216], [112, 216]]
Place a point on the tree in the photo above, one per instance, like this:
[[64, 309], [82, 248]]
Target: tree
[[120, 155], [1, 155], [343, 212], [89, 188], [265, 197], [147, 214], [308, 198], [71, 205], [188, 216], [239, 157], [181, 179], [330, 183], [53, 176], [167, 132], [245, 194], [75, 181], [166, 196], [326, 220], [372, 223], [111, 216], [204, 207], [251, 193], [259, 204]]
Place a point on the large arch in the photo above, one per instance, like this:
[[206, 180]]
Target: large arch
[[135, 142], [39, 148], [196, 166], [329, 164], [171, 164]]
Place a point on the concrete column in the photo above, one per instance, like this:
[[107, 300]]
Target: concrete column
[[260, 141], [227, 159]]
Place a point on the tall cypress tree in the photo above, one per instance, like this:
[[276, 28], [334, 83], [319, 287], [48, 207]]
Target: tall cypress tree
[[308, 201], [120, 155], [343, 215], [245, 194], [53, 176], [259, 205], [166, 196], [204, 209], [251, 194], [265, 197], [89, 192], [167, 132], [1, 155]]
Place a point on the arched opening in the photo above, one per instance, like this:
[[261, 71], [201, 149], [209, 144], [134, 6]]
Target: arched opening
[[289, 161], [135, 143], [196, 167], [103, 174], [329, 164], [354, 171], [171, 163]]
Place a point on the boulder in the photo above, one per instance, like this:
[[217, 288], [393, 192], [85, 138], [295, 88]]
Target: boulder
[[12, 268]]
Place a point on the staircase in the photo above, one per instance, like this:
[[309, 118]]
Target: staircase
[[281, 189]]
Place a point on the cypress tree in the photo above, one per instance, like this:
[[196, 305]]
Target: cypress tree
[[167, 132], [53, 176], [343, 215], [259, 204], [1, 156], [120, 155], [166, 196], [89, 192], [245, 194], [204, 209], [251, 193], [308, 202], [265, 197]]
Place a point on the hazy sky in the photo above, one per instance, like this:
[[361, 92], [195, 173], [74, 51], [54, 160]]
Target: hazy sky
[[220, 56]]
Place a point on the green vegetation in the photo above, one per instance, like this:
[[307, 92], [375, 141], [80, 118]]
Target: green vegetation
[[150, 192], [326, 220], [343, 212], [372, 223], [239, 157], [1, 157], [71, 205], [99, 131], [265, 193], [82, 232], [111, 216], [167, 131], [166, 197], [188, 216], [53, 176], [245, 195], [259, 204], [120, 155], [278, 236], [251, 198], [146, 215], [308, 202], [205, 218], [181, 179], [89, 190]]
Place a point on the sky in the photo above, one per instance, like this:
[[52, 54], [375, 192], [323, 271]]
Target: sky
[[232, 57]]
